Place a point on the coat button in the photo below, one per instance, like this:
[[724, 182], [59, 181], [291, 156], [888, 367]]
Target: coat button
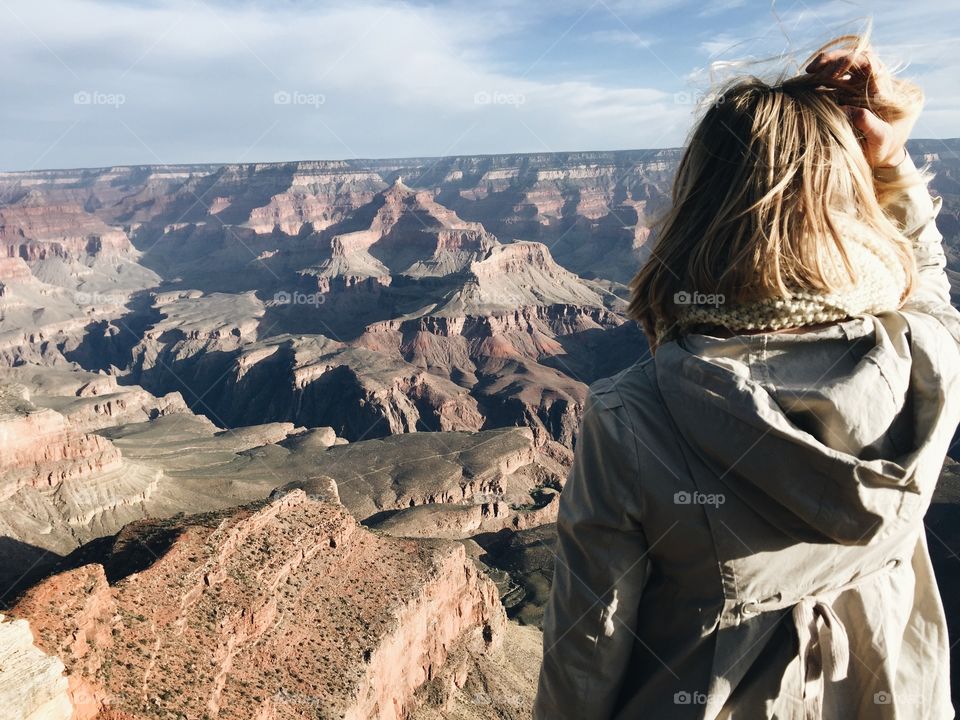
[[749, 608]]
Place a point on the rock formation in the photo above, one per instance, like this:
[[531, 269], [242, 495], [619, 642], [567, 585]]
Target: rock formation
[[279, 609], [422, 320], [32, 684], [451, 485], [81, 456], [34, 230]]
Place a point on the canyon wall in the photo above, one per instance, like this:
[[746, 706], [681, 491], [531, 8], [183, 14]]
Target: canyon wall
[[279, 609]]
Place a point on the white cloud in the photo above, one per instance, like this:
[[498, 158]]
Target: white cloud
[[622, 37], [199, 83]]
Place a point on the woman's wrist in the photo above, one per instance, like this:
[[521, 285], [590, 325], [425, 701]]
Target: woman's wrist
[[895, 159], [891, 173]]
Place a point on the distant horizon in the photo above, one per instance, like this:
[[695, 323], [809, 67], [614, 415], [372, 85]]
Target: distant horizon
[[385, 158], [357, 159]]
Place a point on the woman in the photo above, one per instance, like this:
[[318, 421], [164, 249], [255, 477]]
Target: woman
[[741, 535]]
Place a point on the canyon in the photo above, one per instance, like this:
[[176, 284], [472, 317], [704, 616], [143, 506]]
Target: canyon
[[287, 440]]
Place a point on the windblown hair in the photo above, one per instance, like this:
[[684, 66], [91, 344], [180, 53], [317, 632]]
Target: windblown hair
[[768, 171]]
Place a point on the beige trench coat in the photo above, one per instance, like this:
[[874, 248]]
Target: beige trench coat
[[741, 534]]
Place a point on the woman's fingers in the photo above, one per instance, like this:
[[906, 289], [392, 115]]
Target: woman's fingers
[[835, 60], [840, 68], [853, 79]]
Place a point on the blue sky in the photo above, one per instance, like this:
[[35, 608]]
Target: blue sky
[[101, 82]]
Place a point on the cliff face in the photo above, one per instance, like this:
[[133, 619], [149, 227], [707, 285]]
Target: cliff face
[[315, 200], [310, 381], [48, 424], [80, 456], [62, 270], [36, 232], [435, 313], [14, 268], [273, 610], [39, 449], [400, 232], [32, 684]]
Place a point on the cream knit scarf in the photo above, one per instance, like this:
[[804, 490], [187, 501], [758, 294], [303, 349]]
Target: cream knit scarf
[[881, 281]]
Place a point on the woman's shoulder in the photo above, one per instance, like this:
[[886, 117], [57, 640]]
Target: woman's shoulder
[[632, 392], [629, 413]]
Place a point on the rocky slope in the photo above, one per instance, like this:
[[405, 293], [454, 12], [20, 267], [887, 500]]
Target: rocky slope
[[280, 609], [501, 684], [81, 456]]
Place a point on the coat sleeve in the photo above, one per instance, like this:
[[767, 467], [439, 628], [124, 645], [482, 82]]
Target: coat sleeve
[[915, 212], [600, 569]]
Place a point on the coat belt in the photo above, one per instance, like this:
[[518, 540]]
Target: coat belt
[[824, 648], [824, 651]]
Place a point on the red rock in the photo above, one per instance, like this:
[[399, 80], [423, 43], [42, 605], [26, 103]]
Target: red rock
[[271, 610], [35, 232]]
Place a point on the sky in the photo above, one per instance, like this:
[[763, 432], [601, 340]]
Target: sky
[[93, 83]]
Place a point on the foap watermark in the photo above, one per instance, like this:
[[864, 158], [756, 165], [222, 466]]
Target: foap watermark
[[685, 297], [487, 497], [296, 97], [95, 97], [299, 298], [96, 298], [497, 97], [696, 97], [86, 700], [683, 497], [686, 697], [902, 699]]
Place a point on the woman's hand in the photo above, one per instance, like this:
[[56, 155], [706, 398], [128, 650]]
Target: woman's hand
[[852, 75]]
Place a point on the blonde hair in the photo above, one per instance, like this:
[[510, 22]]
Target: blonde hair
[[769, 171]]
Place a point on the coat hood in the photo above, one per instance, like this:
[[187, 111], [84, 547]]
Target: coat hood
[[828, 434]]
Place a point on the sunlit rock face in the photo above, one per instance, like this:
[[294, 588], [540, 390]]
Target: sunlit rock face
[[259, 610], [32, 684]]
